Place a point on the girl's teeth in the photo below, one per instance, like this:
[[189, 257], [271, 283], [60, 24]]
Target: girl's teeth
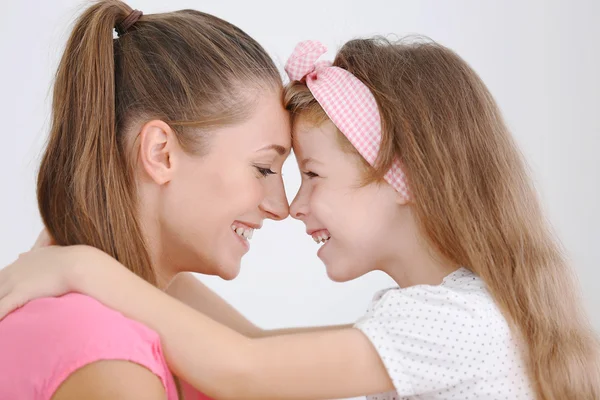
[[321, 238]]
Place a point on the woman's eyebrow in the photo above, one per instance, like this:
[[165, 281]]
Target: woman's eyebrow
[[281, 150]]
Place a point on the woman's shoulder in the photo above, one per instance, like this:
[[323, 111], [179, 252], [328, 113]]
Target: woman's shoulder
[[71, 320], [48, 339]]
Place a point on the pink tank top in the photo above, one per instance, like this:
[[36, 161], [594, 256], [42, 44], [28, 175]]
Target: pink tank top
[[48, 339]]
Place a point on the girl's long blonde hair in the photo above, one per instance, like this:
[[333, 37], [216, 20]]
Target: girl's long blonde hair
[[474, 200]]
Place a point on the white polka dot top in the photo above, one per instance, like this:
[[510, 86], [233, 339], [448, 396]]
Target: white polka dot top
[[445, 342]]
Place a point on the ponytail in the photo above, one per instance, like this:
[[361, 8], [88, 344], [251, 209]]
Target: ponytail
[[85, 189]]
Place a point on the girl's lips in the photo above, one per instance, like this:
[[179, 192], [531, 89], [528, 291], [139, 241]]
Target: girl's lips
[[321, 248]]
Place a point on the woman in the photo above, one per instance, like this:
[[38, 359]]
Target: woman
[[165, 152]]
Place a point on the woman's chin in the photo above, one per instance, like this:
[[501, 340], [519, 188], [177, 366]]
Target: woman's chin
[[229, 270], [226, 269]]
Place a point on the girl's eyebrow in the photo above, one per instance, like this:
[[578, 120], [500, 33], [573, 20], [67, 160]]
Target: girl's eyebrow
[[308, 160]]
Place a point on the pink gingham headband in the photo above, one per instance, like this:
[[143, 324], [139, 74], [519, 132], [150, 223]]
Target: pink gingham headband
[[347, 102]]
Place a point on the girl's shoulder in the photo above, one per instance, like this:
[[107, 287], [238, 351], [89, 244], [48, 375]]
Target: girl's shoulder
[[461, 291], [435, 338]]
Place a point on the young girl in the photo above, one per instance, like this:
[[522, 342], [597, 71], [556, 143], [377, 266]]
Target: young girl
[[407, 168]]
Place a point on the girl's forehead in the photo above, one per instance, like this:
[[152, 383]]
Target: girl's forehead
[[303, 130], [307, 139], [317, 142]]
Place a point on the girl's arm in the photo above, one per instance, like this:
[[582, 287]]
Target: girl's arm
[[190, 290], [211, 357], [226, 364]]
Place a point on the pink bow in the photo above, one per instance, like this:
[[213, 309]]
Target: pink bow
[[303, 60]]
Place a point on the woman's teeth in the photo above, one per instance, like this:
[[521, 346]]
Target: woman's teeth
[[246, 233]]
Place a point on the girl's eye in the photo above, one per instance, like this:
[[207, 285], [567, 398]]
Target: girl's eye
[[310, 174], [265, 171]]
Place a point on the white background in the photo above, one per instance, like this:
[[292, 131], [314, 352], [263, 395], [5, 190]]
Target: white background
[[540, 59]]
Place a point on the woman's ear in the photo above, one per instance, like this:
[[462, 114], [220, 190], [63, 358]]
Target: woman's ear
[[158, 143]]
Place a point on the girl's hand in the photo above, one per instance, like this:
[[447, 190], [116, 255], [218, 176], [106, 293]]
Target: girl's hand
[[43, 240], [45, 271]]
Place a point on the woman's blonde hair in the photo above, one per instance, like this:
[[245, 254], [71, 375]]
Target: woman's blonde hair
[[474, 200]]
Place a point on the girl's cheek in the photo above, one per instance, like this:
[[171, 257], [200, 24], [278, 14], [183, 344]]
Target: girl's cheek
[[317, 200]]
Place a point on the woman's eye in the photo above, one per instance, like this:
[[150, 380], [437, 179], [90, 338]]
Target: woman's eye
[[265, 171], [310, 174]]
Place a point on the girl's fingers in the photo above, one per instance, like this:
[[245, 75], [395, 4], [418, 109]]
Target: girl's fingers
[[4, 282], [44, 240], [8, 304]]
